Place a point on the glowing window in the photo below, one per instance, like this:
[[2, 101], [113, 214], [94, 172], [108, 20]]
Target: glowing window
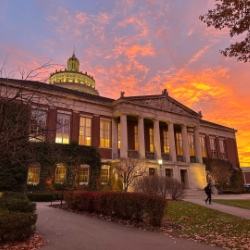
[[104, 133], [203, 146], [119, 135], [136, 137], [179, 148], [151, 140], [165, 142], [85, 131], [191, 144], [33, 175], [104, 174], [60, 174], [84, 175], [63, 128]]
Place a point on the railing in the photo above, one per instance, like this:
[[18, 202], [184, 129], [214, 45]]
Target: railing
[[166, 157], [133, 154], [193, 159], [180, 158], [150, 156]]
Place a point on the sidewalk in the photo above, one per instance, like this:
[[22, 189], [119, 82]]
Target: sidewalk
[[240, 212]]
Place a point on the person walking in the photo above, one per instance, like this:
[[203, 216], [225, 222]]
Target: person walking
[[208, 191]]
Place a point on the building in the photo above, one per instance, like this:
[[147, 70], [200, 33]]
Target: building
[[170, 137]]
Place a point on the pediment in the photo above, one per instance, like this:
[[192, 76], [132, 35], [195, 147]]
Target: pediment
[[164, 103]]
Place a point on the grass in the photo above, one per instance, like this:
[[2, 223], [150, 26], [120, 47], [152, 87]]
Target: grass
[[209, 226], [235, 203]]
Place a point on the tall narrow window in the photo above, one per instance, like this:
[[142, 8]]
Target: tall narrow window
[[104, 174], [136, 136], [85, 131], [151, 140], [213, 146], [203, 146], [63, 128], [38, 125], [33, 175], [179, 149], [222, 148], [165, 142], [60, 174], [119, 135], [84, 175], [104, 133], [191, 144]]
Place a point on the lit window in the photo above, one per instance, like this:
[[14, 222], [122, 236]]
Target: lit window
[[60, 174], [222, 148], [104, 174], [84, 174], [191, 144], [104, 133], [203, 146], [33, 175], [213, 146], [179, 149], [119, 135], [38, 125], [151, 140], [85, 131], [63, 128], [165, 142], [136, 137]]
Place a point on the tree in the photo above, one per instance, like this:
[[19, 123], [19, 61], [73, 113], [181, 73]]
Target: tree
[[234, 15], [128, 170]]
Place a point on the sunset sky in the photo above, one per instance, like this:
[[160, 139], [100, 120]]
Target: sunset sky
[[137, 46]]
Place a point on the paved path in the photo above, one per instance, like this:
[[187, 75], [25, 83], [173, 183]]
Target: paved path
[[240, 212], [69, 231]]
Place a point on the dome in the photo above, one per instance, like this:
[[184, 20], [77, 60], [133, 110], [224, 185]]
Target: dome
[[73, 63]]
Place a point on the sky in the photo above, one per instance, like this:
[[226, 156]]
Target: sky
[[137, 46]]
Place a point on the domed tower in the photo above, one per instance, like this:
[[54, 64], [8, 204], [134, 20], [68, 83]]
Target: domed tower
[[72, 78]]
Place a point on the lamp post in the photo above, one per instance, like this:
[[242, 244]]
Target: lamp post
[[160, 163]]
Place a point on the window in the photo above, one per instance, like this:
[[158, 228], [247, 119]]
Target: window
[[151, 171], [203, 146], [151, 140], [104, 174], [60, 174], [33, 175], [165, 142], [169, 172], [37, 125], [84, 174], [136, 137], [213, 146], [179, 149], [222, 148], [85, 131], [191, 144], [104, 133], [63, 128], [119, 135]]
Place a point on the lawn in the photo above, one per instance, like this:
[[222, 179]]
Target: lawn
[[236, 203], [209, 226]]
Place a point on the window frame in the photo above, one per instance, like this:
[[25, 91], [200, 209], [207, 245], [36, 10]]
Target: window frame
[[36, 173], [63, 128], [105, 133], [85, 131]]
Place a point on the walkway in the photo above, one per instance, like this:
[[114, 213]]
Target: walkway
[[240, 212], [64, 230]]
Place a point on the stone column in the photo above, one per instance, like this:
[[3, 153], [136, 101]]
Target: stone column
[[157, 141], [114, 139], [185, 144], [197, 144], [124, 137], [141, 138], [172, 141]]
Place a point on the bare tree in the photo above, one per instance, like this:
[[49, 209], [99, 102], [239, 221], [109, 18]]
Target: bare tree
[[128, 170], [234, 15]]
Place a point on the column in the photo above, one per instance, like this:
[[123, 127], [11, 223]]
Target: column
[[197, 144], [157, 141], [114, 138], [172, 141], [185, 143], [124, 137], [141, 138]]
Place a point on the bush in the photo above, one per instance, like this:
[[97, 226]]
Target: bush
[[161, 186], [16, 226], [17, 205], [16, 195], [43, 196], [130, 206]]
